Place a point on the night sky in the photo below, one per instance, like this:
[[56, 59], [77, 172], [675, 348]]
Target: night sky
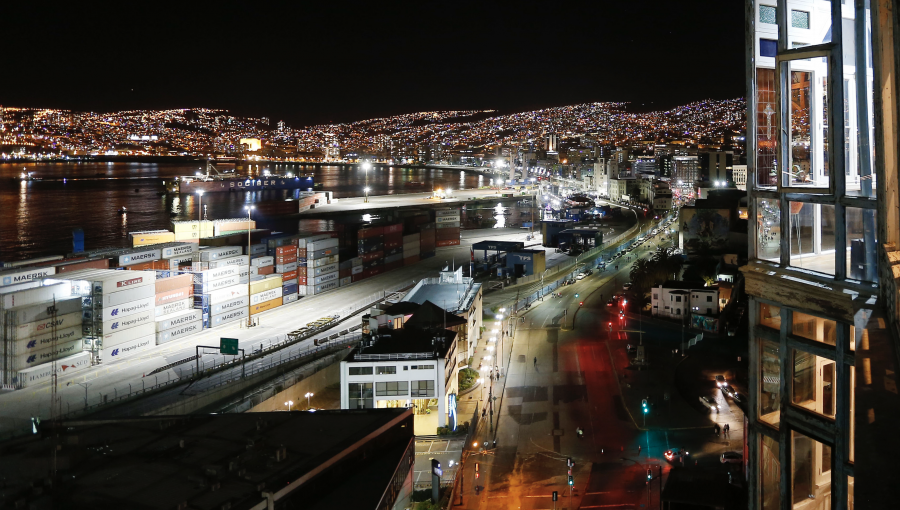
[[324, 61]]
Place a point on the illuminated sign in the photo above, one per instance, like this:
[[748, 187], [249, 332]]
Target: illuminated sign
[[452, 411]]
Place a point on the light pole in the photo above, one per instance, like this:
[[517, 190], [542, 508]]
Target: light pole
[[85, 385], [308, 395], [289, 403], [366, 165], [481, 382], [249, 208], [199, 209]]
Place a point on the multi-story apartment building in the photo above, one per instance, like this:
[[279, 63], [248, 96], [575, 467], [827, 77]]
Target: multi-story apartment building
[[823, 410]]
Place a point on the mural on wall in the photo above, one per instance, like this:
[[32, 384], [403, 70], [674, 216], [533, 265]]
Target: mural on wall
[[704, 229], [704, 323]]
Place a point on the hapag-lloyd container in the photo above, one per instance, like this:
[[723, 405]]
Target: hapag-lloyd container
[[14, 277], [227, 306], [178, 332], [107, 328], [45, 339], [174, 295], [122, 296], [178, 319], [173, 282], [210, 254], [266, 295], [176, 307], [69, 364], [123, 310], [29, 329], [139, 256], [126, 349], [35, 313], [229, 316], [36, 295], [121, 337], [35, 358], [227, 294]]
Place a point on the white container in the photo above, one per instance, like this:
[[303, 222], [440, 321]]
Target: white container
[[60, 291], [266, 295], [356, 270], [221, 283], [178, 332], [41, 356], [123, 296], [45, 339], [130, 348], [346, 281], [227, 306], [242, 260], [328, 277], [173, 307], [262, 261], [107, 281], [218, 253], [323, 270], [136, 257], [289, 298], [125, 309], [31, 376], [215, 274], [285, 268], [440, 220], [229, 316], [14, 277], [178, 319], [182, 250], [356, 262], [108, 328], [318, 289], [121, 337], [176, 262], [37, 313], [445, 212], [228, 294], [303, 241], [63, 321], [324, 261], [331, 242]]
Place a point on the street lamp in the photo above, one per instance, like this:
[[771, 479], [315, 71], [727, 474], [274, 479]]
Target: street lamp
[[366, 166], [200, 208], [289, 403], [249, 209], [308, 395]]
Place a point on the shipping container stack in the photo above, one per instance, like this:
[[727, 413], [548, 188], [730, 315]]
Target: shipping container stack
[[447, 223], [370, 246], [393, 246], [192, 230], [321, 264], [266, 293], [427, 240], [345, 271], [27, 334], [176, 317], [411, 248], [286, 264], [220, 281]]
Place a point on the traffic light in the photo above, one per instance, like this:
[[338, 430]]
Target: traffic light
[[649, 475], [576, 294], [571, 481], [644, 406], [581, 303]]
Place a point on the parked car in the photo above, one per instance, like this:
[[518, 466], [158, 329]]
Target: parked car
[[709, 404], [580, 276], [728, 391], [720, 381], [738, 397], [731, 458], [674, 453]]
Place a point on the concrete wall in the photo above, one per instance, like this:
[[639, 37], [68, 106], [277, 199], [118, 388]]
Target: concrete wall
[[317, 383]]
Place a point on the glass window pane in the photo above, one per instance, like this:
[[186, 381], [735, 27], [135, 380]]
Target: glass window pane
[[770, 380], [768, 229], [808, 159], [799, 19], [766, 132], [812, 236], [862, 262], [814, 328], [813, 381], [850, 504], [770, 316], [767, 14], [811, 484], [769, 474]]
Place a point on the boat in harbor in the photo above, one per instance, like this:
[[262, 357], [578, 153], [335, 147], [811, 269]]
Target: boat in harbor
[[227, 181]]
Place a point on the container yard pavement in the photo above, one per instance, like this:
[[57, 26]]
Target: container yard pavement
[[17, 407], [457, 197]]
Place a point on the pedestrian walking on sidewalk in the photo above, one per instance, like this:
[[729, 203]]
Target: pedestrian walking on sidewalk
[[535, 361]]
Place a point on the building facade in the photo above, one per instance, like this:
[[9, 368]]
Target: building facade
[[679, 300], [822, 188]]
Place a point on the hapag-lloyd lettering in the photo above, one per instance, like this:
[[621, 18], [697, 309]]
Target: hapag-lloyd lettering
[[132, 281], [139, 306], [135, 320], [133, 347]]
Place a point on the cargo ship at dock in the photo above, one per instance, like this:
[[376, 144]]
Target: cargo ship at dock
[[219, 182]]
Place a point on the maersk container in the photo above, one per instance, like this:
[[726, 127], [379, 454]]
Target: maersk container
[[107, 328], [221, 283], [35, 375], [127, 349], [262, 261], [60, 291], [330, 268], [217, 273], [175, 263], [178, 319], [228, 306], [17, 276], [318, 289], [210, 254], [39, 357], [175, 307], [321, 244], [289, 298], [241, 260], [449, 224], [335, 276], [45, 340], [121, 337], [446, 212], [123, 310], [257, 249], [229, 316], [138, 256], [178, 332], [181, 250], [29, 329], [284, 268], [266, 295], [441, 220]]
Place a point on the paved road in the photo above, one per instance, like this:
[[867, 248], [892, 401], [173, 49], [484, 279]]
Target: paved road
[[455, 199]]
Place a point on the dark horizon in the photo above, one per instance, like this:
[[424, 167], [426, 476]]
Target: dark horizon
[[317, 64]]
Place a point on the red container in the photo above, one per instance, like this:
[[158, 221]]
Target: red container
[[393, 265], [426, 234], [447, 233], [301, 253], [365, 233], [393, 244], [408, 261], [372, 256], [448, 242], [358, 277], [290, 275], [372, 272], [301, 271], [287, 258], [397, 228], [301, 280], [174, 295], [343, 273], [266, 270], [285, 250]]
